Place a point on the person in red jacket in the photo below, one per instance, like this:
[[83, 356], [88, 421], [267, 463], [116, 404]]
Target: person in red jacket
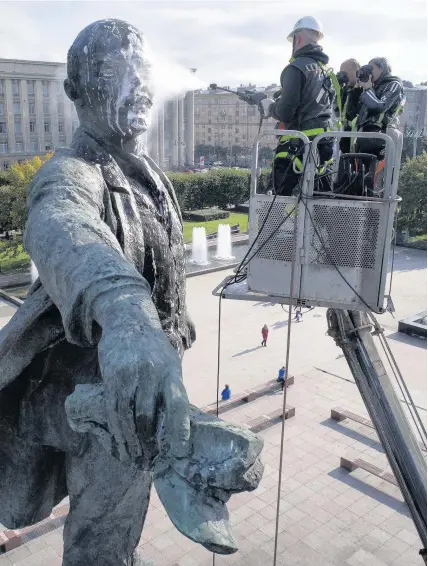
[[265, 334]]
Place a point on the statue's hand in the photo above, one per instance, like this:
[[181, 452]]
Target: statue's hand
[[142, 379], [192, 329]]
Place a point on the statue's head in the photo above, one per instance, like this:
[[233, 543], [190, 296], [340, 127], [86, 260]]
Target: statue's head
[[109, 78]]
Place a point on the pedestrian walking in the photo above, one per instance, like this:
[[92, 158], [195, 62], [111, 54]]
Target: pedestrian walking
[[265, 334], [281, 377], [298, 316]]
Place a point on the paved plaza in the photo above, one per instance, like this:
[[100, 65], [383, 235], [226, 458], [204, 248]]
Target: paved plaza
[[328, 516]]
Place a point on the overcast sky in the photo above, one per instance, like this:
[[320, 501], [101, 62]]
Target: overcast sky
[[228, 42]]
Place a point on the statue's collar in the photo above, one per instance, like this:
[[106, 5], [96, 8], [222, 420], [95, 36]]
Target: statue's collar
[[107, 156], [90, 149]]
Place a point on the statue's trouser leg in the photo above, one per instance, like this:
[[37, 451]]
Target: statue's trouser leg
[[108, 505]]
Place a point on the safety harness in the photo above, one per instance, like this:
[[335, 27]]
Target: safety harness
[[311, 133]]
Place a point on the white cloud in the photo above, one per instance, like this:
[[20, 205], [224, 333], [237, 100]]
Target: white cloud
[[228, 41]]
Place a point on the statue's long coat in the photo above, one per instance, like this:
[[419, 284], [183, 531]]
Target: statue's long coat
[[91, 228]]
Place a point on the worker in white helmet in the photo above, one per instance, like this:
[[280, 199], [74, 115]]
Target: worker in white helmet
[[305, 104]]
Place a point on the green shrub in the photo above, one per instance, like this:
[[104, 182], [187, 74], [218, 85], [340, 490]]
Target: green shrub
[[218, 188], [412, 187], [205, 215]]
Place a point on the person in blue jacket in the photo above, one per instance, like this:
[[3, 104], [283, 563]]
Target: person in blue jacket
[[226, 393], [281, 377]]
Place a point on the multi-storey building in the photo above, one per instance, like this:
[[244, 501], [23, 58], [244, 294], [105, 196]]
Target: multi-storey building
[[35, 114], [222, 119]]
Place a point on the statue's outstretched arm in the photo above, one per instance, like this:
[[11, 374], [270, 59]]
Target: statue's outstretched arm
[[104, 301]]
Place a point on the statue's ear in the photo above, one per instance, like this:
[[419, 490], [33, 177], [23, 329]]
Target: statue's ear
[[71, 90]]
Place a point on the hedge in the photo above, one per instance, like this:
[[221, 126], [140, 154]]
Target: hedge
[[412, 187], [205, 215], [218, 188]]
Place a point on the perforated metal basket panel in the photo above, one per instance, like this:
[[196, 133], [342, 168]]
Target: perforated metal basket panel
[[276, 239], [344, 236]]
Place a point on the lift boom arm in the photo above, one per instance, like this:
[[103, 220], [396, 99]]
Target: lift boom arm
[[352, 332]]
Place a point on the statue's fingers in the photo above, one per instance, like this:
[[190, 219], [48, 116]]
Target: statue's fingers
[[113, 421], [129, 426], [177, 412], [146, 418]]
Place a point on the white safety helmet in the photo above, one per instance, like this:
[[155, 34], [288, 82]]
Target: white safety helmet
[[308, 22]]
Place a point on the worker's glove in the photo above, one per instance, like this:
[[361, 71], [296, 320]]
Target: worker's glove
[[266, 107], [253, 98]]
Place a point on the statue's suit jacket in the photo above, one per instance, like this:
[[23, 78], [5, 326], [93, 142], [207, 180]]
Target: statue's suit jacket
[[85, 236]]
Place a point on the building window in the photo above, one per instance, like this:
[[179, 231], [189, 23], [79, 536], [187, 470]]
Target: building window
[[45, 87], [18, 146], [1, 109], [48, 146], [15, 87], [3, 128], [31, 88], [209, 138], [34, 145], [60, 127], [32, 108], [32, 127], [209, 130], [1, 87], [3, 147], [18, 127], [60, 108], [47, 127], [46, 108], [17, 108]]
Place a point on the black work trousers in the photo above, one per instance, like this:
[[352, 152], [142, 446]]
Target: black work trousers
[[372, 146], [284, 179]]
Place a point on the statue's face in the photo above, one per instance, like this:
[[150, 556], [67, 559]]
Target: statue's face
[[117, 85]]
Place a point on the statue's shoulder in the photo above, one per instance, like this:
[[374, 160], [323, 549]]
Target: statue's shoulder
[[68, 165]]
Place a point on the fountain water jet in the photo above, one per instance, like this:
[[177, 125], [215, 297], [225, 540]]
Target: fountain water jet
[[34, 273], [199, 246], [224, 242]]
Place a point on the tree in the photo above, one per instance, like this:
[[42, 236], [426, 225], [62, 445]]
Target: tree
[[13, 195], [4, 178], [21, 174], [5, 208], [407, 84], [412, 189]]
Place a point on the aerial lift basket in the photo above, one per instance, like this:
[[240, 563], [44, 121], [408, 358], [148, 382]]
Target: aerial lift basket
[[340, 243]]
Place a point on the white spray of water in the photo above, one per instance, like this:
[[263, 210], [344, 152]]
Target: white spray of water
[[171, 80], [199, 246], [34, 272]]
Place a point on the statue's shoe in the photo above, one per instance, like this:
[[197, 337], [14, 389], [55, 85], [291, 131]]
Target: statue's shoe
[[223, 459]]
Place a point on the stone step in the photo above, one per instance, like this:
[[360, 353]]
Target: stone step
[[265, 421], [339, 414], [359, 463]]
